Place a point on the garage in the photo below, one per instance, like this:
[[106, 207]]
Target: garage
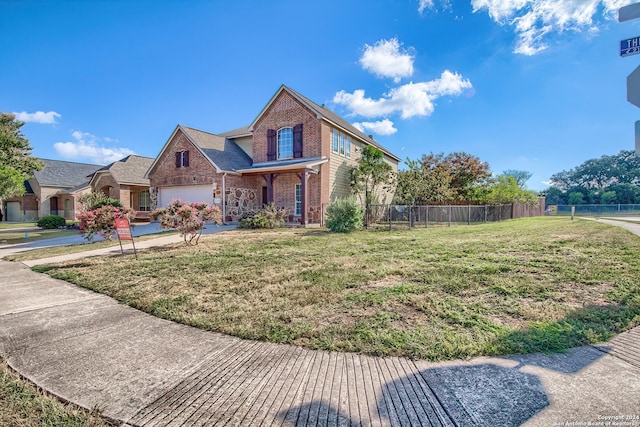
[[13, 212], [189, 193]]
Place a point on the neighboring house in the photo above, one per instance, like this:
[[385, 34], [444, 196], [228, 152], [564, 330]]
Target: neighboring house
[[56, 189], [296, 154], [52, 191], [125, 181]]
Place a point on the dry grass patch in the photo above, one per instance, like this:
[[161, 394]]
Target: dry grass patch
[[542, 284], [23, 404]]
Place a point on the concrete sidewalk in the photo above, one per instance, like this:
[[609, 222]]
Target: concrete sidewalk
[[141, 370]]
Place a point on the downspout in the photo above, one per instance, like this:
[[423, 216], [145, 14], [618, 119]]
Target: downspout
[[224, 195]]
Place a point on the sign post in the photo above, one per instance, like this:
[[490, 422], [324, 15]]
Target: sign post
[[630, 47], [123, 228]]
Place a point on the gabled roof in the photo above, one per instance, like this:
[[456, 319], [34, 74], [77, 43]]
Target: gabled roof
[[58, 173], [224, 154], [130, 170], [236, 133], [324, 113]]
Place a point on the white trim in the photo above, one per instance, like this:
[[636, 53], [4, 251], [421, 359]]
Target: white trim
[[292, 166]]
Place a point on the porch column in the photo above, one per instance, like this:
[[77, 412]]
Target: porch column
[[304, 180], [269, 178]]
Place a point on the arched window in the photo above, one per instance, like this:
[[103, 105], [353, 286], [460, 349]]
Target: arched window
[[285, 143]]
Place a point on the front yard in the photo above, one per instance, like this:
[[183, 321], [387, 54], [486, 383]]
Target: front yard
[[540, 284]]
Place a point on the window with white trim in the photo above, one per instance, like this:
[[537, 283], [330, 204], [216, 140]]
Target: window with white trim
[[341, 143], [285, 143], [298, 207]]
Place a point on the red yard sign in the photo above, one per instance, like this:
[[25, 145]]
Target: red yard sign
[[123, 229], [124, 233]]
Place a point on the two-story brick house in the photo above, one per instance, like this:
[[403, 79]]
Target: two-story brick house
[[296, 154]]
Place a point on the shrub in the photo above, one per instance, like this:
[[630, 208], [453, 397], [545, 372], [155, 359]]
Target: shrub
[[345, 215], [188, 219], [101, 221], [268, 217], [92, 201], [51, 221]]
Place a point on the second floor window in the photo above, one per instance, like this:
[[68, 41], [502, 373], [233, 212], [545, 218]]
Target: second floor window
[[182, 159], [285, 143]]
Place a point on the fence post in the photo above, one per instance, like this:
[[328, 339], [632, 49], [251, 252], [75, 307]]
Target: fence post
[[469, 220], [389, 217], [426, 218], [410, 212], [485, 213], [573, 212], [449, 215]]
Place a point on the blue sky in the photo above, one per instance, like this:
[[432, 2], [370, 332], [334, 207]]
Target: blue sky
[[535, 85]]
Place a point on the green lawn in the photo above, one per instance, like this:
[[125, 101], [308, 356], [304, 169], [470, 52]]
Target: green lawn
[[538, 284], [22, 404]]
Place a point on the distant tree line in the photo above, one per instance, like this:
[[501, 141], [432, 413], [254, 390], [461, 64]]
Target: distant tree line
[[606, 180]]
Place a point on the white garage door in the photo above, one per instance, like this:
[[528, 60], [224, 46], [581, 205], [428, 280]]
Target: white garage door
[[189, 193]]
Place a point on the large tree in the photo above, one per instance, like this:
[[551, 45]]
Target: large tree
[[451, 177], [520, 176], [371, 175], [419, 185], [16, 162], [622, 168]]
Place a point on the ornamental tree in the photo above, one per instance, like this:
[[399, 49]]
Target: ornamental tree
[[101, 221], [188, 218]]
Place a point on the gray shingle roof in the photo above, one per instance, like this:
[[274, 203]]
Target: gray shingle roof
[[224, 153], [243, 131], [58, 173], [130, 170]]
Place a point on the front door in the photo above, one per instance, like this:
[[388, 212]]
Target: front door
[[53, 206]]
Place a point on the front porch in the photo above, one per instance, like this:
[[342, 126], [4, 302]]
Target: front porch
[[293, 185]]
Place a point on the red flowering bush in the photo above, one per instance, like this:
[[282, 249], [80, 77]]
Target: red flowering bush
[[188, 218], [101, 221]]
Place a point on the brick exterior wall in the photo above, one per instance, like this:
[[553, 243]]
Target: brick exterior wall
[[285, 111], [165, 174]]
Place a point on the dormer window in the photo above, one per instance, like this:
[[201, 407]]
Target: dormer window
[[285, 143], [182, 159]]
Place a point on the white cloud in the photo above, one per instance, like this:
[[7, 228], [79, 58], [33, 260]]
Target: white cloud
[[48, 118], [430, 4], [533, 20], [424, 4], [381, 127], [86, 147], [411, 99], [387, 59]]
